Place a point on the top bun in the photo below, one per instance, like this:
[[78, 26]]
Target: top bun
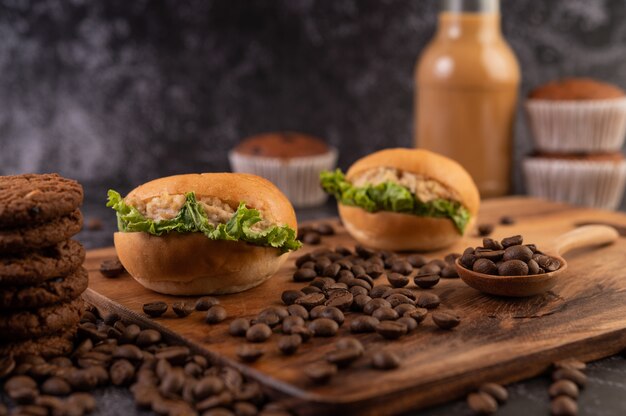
[[232, 188], [577, 89], [283, 145]]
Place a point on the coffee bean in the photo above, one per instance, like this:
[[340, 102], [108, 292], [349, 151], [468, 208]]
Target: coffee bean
[[312, 300], [374, 304], [400, 291], [363, 323], [563, 406], [182, 309], [215, 314], [81, 379], [324, 327], [571, 374], [322, 282], [482, 404], [426, 281], [564, 388], [155, 309], [268, 317], [446, 320], [238, 327], [316, 312], [491, 244], [244, 409], [129, 352], [485, 266], [549, 264], [192, 369], [496, 391], [333, 313], [449, 272], [513, 268], [485, 229], [385, 313], [343, 357], [361, 280], [358, 290], [396, 299], [148, 337], [533, 267], [206, 302], [304, 332], [312, 238], [324, 229], [401, 266], [208, 386], [518, 252], [56, 386], [403, 308], [258, 333], [19, 382], [61, 362], [375, 270], [417, 260], [121, 372], [288, 344], [385, 360], [291, 321], [341, 299], [298, 310], [7, 365], [320, 372], [411, 324], [512, 241], [391, 329], [570, 363], [249, 353], [427, 300], [379, 291], [289, 296], [304, 275], [507, 220], [176, 355], [359, 302], [349, 342], [430, 268], [468, 259], [493, 255], [111, 268], [397, 279], [83, 401]]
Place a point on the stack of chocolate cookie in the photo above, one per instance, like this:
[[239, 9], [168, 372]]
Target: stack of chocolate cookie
[[41, 273]]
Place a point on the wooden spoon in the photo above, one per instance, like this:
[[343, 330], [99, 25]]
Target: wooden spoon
[[520, 286]]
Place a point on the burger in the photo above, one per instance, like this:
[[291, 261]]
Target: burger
[[404, 199], [210, 233]]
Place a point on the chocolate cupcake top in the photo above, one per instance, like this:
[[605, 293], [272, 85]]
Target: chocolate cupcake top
[[283, 145], [578, 89]]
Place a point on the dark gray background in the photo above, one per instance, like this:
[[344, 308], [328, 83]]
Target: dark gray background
[[114, 93]]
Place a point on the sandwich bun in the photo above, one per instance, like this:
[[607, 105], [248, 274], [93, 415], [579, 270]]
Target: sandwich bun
[[395, 231], [192, 264]]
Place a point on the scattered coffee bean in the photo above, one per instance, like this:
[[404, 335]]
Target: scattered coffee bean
[[391, 329], [112, 268], [403, 308], [363, 324], [215, 314], [512, 241], [320, 372], [121, 372], [485, 266], [571, 374], [304, 275], [570, 363], [268, 317], [374, 304], [349, 342], [182, 309], [288, 344], [238, 327], [507, 220], [298, 310], [564, 388], [289, 296], [258, 333], [128, 351], [492, 244], [401, 266], [513, 268], [563, 406], [56, 386], [249, 353], [316, 312], [426, 281], [341, 299], [385, 360], [485, 229], [155, 309], [417, 260], [304, 332], [482, 403], [446, 320], [411, 324], [496, 391], [449, 272], [206, 302], [311, 300], [379, 291], [7, 365], [312, 238], [343, 357], [324, 327], [148, 337], [333, 313], [385, 313], [397, 279], [324, 229], [427, 300]]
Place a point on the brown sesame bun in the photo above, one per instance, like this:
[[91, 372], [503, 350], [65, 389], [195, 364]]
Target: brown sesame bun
[[282, 145], [192, 264], [395, 231]]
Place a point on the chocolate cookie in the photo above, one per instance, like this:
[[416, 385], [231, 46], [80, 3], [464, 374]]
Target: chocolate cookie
[[36, 266], [57, 290], [42, 235], [44, 321], [34, 199], [50, 346]]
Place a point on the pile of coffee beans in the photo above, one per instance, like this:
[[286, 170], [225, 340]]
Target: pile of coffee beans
[[568, 378], [508, 257], [167, 379], [215, 313], [313, 234], [487, 399]]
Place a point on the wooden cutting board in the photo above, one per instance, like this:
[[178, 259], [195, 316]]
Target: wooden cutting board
[[501, 340]]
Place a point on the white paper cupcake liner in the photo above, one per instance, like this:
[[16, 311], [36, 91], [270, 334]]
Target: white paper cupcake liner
[[298, 178], [597, 184], [577, 126]]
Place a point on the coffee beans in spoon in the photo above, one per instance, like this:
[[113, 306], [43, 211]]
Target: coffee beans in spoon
[[508, 257]]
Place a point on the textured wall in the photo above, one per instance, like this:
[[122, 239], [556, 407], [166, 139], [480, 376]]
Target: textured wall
[[117, 92]]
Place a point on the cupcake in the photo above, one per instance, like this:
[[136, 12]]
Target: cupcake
[[577, 115], [596, 180], [292, 161]]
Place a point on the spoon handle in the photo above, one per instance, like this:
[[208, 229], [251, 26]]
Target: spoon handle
[[586, 236]]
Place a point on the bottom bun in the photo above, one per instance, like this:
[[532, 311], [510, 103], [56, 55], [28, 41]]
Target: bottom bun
[[396, 232], [191, 264]]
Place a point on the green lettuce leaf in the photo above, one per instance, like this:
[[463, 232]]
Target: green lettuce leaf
[[390, 196], [192, 218]]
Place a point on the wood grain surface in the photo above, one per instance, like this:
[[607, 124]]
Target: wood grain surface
[[499, 339]]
